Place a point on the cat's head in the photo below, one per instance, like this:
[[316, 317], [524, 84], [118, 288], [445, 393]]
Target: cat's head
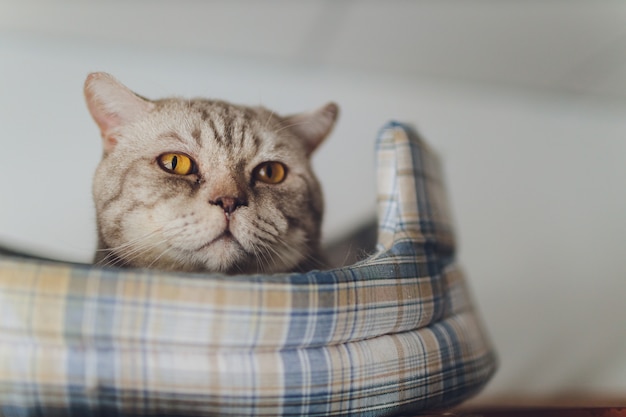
[[202, 185]]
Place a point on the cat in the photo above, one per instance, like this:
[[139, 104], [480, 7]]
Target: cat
[[204, 185]]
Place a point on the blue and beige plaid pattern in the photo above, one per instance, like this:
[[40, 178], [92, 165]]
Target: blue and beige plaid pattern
[[395, 333]]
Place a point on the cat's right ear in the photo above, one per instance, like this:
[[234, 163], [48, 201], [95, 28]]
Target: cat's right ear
[[112, 105]]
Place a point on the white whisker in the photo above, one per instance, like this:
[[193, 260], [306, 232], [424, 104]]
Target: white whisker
[[269, 117], [290, 126]]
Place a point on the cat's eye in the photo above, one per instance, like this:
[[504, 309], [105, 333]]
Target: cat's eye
[[177, 163], [270, 172]]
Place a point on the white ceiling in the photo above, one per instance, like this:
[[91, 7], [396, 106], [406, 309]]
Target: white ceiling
[[568, 46]]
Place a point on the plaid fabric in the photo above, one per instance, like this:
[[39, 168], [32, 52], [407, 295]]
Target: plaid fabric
[[394, 333]]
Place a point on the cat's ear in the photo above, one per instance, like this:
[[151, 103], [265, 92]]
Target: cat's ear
[[314, 126], [112, 105]]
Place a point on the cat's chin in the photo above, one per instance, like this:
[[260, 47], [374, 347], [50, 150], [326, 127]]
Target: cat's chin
[[221, 255], [227, 255]]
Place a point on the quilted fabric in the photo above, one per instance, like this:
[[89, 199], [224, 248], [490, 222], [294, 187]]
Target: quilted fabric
[[394, 333]]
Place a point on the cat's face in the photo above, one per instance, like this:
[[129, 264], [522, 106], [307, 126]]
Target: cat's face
[[195, 185]]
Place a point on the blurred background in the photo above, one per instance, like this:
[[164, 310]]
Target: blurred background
[[524, 100]]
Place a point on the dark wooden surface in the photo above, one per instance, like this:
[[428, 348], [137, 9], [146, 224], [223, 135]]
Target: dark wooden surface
[[570, 405], [540, 412]]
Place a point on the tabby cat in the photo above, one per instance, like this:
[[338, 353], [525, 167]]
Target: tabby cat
[[205, 185]]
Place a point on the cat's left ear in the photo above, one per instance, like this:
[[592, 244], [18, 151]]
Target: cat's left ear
[[112, 105], [314, 126]]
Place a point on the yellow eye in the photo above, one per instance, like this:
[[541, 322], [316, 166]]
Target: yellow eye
[[271, 172], [177, 163]]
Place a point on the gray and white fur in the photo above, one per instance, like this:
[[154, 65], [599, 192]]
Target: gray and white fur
[[204, 185]]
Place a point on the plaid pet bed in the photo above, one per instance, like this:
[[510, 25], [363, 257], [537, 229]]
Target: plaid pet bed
[[395, 333]]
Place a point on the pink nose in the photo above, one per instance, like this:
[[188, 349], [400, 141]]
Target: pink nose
[[227, 203]]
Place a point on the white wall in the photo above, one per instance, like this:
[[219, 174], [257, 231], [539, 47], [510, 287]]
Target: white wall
[[536, 180]]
